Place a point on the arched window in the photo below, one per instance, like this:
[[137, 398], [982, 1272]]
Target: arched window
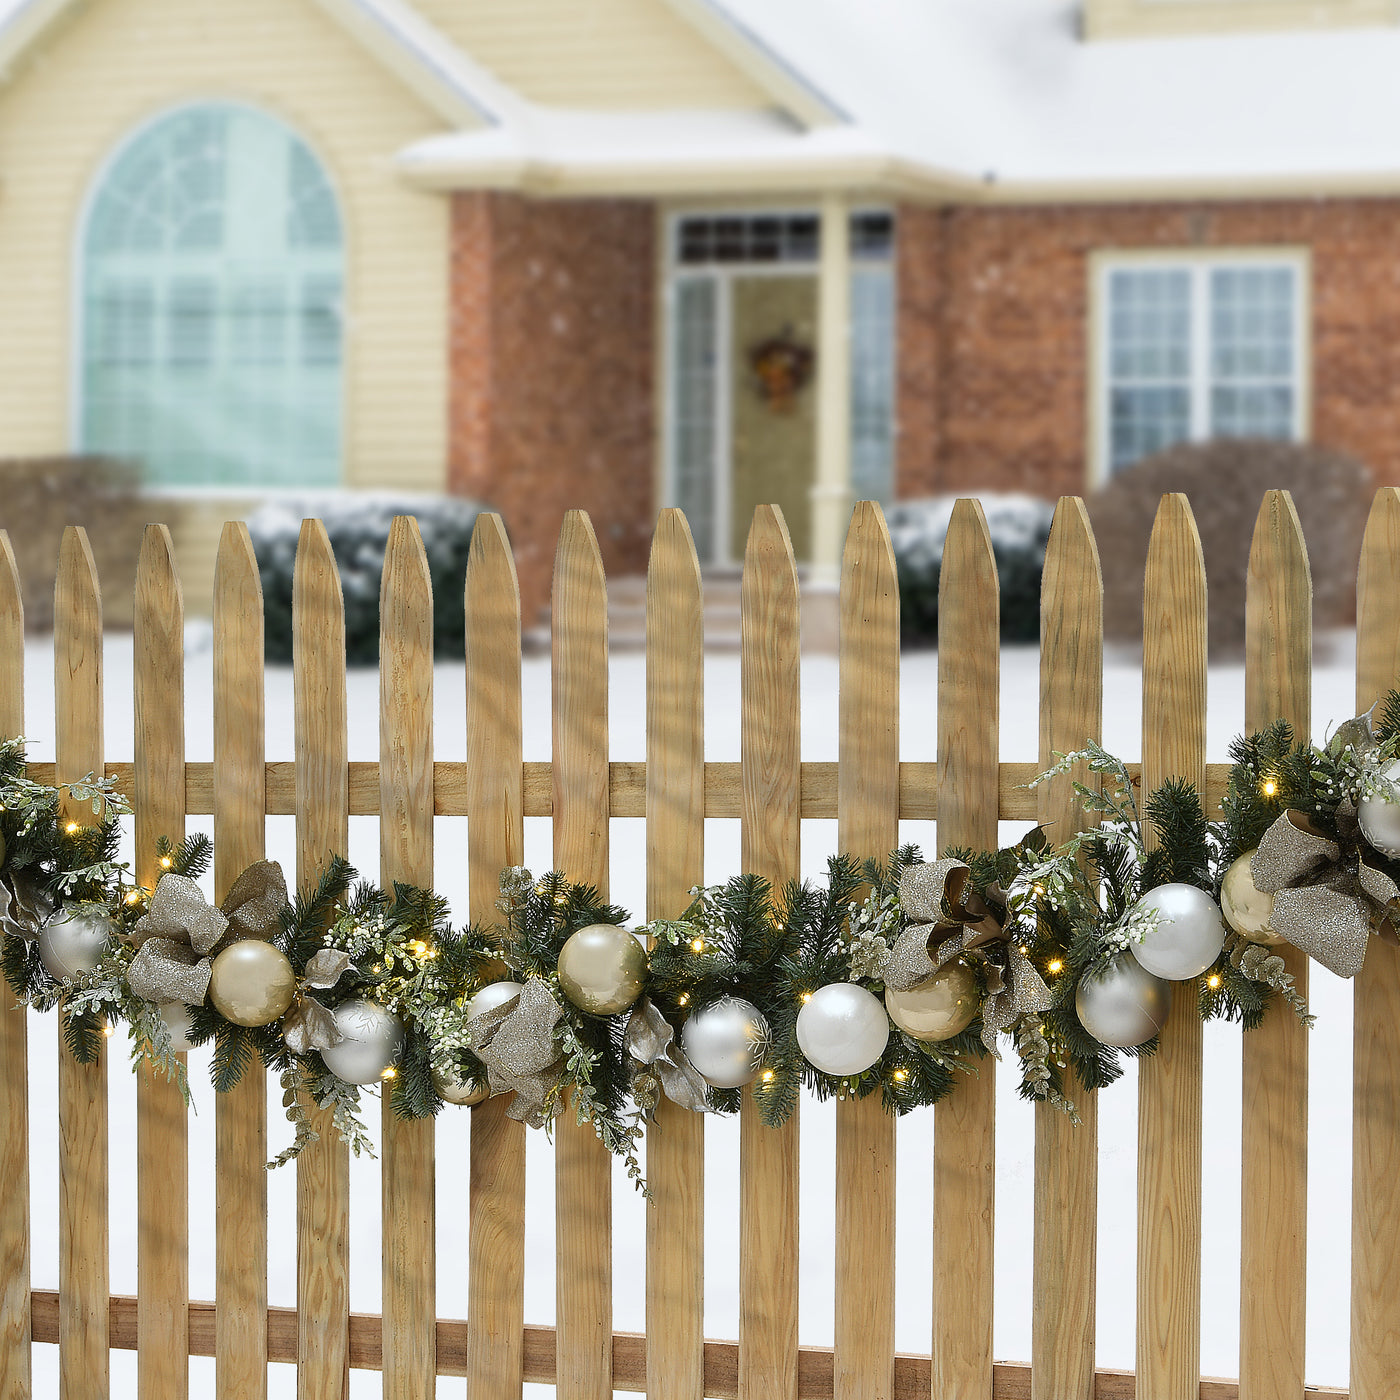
[[212, 267]]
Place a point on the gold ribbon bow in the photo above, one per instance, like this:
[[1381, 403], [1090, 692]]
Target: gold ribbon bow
[[177, 936], [659, 1064], [515, 1041], [945, 912], [1322, 906]]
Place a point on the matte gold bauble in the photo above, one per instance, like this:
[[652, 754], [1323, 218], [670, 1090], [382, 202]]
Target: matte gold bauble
[[938, 1009], [251, 983], [1247, 909], [602, 969]]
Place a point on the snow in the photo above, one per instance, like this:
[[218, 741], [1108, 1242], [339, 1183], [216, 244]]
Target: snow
[[1016, 521], [1329, 1173]]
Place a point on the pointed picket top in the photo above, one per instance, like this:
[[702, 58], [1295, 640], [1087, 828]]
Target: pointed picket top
[[156, 574], [491, 564], [406, 583], [316, 592], [968, 547], [1278, 619], [11, 593], [578, 562], [236, 567], [672, 557], [77, 663], [11, 642], [1377, 586], [1071, 557], [76, 592], [770, 568]]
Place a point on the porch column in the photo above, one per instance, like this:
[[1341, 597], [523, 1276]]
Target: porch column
[[831, 489]]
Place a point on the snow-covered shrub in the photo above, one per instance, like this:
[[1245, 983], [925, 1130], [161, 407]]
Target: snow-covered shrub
[[1019, 526], [358, 528]]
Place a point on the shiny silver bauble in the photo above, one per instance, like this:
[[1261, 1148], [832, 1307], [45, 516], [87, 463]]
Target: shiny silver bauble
[[73, 941], [726, 1041], [251, 983], [452, 1088], [602, 969], [1126, 1006], [1189, 935], [944, 1006], [492, 995], [176, 1016], [371, 1039], [1379, 818], [1247, 909], [843, 1029]]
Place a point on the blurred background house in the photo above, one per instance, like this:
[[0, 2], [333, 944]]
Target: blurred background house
[[623, 254]]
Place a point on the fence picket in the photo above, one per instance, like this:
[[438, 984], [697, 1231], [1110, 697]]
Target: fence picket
[[1169, 1082], [323, 830], [240, 1124], [83, 1286], [771, 761], [15, 1377], [1274, 1203], [964, 1143], [583, 1168], [1066, 1154], [1375, 1232], [675, 808], [867, 825], [406, 854], [162, 1130], [495, 839]]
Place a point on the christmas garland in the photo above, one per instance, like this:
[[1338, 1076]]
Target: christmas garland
[[891, 977]]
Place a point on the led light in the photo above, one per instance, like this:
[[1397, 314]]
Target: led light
[[806, 997], [1054, 966], [390, 1073], [683, 999], [1269, 787], [901, 1075], [165, 862], [768, 1076], [1213, 980], [697, 945], [72, 827]]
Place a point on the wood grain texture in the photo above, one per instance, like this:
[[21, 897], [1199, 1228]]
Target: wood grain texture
[[1169, 1082], [15, 1371], [1375, 1205], [675, 855], [407, 1181], [1274, 1202], [162, 1132], [815, 1372], [323, 829], [583, 1166], [964, 1143], [867, 825], [82, 1089], [240, 1117], [496, 839], [1065, 1241], [770, 836]]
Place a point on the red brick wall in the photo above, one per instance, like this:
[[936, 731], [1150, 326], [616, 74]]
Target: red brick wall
[[553, 360], [993, 330]]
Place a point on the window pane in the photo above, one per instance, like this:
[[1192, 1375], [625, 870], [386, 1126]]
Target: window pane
[[1143, 421], [693, 425], [1149, 361], [872, 383], [192, 310], [1253, 354]]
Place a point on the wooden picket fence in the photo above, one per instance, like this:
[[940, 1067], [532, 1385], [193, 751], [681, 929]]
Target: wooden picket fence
[[769, 790]]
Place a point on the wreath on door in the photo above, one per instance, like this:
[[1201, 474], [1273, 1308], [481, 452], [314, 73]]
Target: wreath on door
[[782, 367]]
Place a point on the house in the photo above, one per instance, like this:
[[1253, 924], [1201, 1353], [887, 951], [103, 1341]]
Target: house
[[632, 253]]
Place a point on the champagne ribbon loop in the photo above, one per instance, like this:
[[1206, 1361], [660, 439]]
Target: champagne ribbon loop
[[25, 905], [652, 1046], [515, 1041]]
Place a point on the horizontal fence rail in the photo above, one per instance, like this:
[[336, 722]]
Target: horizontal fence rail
[[770, 791]]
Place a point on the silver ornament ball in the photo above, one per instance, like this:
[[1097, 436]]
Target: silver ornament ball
[[1189, 935], [1247, 909], [176, 1016], [371, 1039], [1124, 1007], [726, 1041], [1379, 818], [452, 1088], [602, 969], [843, 1029], [492, 995], [73, 941], [938, 1009]]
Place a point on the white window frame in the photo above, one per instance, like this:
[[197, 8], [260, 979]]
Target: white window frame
[[1199, 263]]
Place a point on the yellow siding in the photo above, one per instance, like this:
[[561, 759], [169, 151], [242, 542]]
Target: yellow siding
[[594, 53], [116, 63], [1112, 19]]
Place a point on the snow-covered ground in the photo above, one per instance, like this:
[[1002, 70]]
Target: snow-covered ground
[[1330, 1168]]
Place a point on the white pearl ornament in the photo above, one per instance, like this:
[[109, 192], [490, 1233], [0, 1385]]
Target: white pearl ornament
[[73, 941], [492, 995], [1379, 818], [843, 1029], [1189, 935], [371, 1039]]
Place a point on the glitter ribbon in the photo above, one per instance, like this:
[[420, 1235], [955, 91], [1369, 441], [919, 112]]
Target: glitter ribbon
[[515, 1041], [651, 1045], [947, 913], [1324, 905]]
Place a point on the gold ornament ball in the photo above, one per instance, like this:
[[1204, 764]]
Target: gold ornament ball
[[938, 1009], [1246, 908], [602, 969], [251, 983], [451, 1088]]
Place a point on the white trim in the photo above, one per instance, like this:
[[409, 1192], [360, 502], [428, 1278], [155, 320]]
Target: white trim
[[1199, 262]]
